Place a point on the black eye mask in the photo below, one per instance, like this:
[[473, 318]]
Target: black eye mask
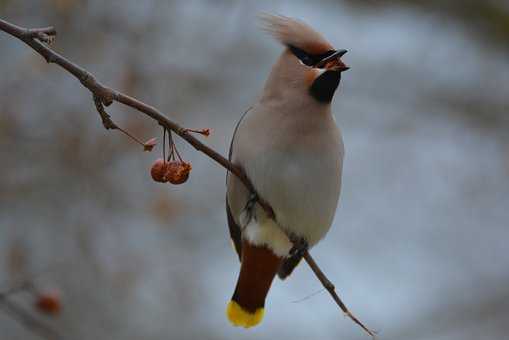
[[309, 59]]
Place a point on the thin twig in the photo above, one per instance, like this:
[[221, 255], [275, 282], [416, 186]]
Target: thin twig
[[105, 95], [307, 297], [105, 117], [332, 291], [108, 122], [46, 34], [108, 95], [164, 144]]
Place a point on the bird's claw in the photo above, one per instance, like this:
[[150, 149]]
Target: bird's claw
[[300, 246]]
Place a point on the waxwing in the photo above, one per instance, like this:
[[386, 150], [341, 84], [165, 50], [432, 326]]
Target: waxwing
[[290, 148]]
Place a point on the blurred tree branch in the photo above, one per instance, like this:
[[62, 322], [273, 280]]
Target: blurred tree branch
[[23, 316], [103, 95]]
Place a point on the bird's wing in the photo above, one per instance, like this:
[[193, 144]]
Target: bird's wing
[[233, 137], [235, 232]]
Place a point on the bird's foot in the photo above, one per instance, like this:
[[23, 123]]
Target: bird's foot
[[300, 246]]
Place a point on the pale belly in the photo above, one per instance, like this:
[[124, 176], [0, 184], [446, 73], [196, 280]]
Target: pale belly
[[297, 173], [302, 188]]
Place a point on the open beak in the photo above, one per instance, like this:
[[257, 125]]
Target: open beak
[[333, 62]]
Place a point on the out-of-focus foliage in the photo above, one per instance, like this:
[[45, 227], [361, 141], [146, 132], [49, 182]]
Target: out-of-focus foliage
[[418, 248]]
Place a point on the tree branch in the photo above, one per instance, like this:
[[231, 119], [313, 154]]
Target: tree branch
[[35, 38], [23, 316]]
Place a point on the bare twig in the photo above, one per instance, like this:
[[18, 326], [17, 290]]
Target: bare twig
[[105, 117], [46, 34], [105, 95], [110, 125], [332, 291], [309, 296]]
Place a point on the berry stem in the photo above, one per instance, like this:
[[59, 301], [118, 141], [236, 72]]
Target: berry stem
[[205, 132], [164, 143], [130, 136]]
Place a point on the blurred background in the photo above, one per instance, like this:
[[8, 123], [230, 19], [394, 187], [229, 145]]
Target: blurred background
[[419, 246]]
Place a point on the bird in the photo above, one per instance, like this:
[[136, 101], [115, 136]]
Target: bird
[[289, 147]]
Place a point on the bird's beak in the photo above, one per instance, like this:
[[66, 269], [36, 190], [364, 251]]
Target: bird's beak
[[333, 62], [341, 53]]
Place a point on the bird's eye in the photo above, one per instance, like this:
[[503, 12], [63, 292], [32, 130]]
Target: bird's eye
[[302, 56], [309, 59]]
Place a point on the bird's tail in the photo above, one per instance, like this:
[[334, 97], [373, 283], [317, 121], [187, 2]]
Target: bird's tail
[[258, 267]]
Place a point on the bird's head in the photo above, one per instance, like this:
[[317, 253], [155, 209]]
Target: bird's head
[[309, 62]]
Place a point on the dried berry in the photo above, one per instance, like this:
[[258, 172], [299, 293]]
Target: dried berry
[[178, 172], [49, 302], [159, 170], [206, 132], [149, 145]]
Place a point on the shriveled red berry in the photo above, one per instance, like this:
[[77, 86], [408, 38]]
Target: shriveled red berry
[[178, 172], [159, 170], [49, 302], [149, 145]]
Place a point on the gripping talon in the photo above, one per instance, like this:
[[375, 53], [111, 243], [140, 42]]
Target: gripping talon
[[300, 246]]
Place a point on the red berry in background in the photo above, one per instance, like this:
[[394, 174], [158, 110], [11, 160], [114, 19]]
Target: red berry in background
[[159, 170], [49, 302], [178, 172]]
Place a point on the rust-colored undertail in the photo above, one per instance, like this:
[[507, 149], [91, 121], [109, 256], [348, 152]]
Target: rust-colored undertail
[[258, 267]]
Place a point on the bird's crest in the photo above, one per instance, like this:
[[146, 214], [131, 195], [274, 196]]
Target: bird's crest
[[296, 33]]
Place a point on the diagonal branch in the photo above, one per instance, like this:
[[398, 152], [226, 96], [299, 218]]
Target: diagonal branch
[[35, 38], [332, 291]]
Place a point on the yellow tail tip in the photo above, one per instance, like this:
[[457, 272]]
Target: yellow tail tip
[[238, 316]]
